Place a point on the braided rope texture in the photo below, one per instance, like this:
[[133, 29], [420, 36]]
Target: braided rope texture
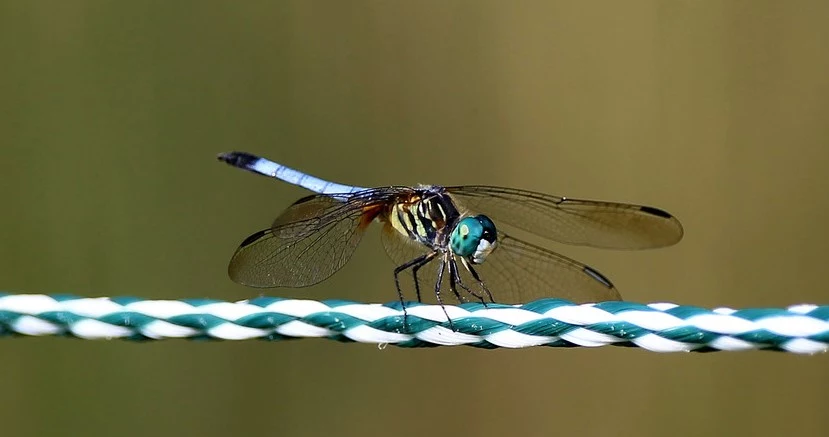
[[659, 327]]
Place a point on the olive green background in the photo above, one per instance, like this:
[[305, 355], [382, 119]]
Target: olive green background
[[111, 114]]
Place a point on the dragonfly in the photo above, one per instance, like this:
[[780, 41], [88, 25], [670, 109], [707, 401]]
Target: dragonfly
[[451, 239]]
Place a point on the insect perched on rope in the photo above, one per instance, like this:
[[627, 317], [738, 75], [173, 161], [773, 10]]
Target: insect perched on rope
[[446, 237]]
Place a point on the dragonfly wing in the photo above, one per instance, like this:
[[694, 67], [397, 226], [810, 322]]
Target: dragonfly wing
[[520, 272], [308, 243], [515, 272], [573, 221]]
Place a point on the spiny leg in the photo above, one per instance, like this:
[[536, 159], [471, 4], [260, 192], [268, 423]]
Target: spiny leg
[[458, 279], [478, 278], [414, 264], [414, 275], [454, 278], [437, 291]]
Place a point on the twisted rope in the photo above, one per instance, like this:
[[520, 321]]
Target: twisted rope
[[659, 327]]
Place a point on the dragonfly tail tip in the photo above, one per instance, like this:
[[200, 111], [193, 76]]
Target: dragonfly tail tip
[[237, 159]]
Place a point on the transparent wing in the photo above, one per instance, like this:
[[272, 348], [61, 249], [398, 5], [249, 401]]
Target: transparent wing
[[606, 225], [515, 272], [308, 243], [520, 272]]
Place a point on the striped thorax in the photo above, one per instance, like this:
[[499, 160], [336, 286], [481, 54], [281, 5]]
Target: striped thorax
[[427, 217]]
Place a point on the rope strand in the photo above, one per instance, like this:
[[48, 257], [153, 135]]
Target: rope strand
[[659, 327]]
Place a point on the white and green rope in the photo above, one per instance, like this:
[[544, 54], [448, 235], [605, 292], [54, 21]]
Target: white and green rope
[[659, 327]]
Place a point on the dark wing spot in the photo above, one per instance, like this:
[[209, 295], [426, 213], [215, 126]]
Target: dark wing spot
[[598, 276], [248, 241], [655, 211]]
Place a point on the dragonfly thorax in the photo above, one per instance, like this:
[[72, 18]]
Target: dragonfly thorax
[[432, 219], [474, 238], [427, 218]]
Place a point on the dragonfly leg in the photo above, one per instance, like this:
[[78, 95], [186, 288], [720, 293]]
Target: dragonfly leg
[[437, 291], [455, 278], [480, 282], [415, 265], [414, 274]]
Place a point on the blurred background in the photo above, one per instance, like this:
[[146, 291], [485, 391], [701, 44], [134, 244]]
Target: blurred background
[[111, 114]]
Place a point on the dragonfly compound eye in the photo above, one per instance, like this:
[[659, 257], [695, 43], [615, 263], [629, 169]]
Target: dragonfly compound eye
[[487, 242], [473, 237], [489, 233]]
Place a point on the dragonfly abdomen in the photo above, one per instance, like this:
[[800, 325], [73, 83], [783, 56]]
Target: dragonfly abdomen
[[266, 167]]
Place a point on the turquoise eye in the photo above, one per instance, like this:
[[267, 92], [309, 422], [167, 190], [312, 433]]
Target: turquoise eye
[[467, 235]]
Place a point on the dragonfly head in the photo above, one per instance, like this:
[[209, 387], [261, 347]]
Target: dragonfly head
[[474, 238]]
